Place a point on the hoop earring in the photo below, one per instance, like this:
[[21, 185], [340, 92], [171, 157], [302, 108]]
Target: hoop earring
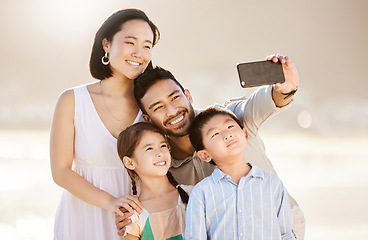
[[104, 58]]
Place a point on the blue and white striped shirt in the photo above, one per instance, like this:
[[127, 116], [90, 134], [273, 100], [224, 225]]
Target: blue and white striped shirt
[[257, 208]]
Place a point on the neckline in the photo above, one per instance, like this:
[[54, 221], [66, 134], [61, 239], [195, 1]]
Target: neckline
[[179, 204], [98, 116]]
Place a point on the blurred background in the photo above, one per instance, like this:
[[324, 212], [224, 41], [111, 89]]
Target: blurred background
[[319, 145]]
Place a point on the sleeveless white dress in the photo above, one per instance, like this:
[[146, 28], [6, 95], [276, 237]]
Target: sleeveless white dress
[[95, 159]]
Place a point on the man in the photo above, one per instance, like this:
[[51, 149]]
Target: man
[[165, 103]]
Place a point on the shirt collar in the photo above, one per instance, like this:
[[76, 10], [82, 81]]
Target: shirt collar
[[254, 172], [217, 175]]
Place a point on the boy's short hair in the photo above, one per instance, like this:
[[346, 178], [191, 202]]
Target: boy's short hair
[[148, 78], [195, 129]]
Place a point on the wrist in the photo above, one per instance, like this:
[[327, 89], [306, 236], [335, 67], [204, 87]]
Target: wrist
[[289, 94], [109, 203]]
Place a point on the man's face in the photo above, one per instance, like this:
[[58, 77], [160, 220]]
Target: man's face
[[169, 108]]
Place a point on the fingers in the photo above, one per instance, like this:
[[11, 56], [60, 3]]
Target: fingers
[[119, 212], [123, 210], [118, 219], [131, 198], [136, 201], [238, 98], [126, 205], [135, 205], [121, 226], [278, 57], [121, 232], [227, 102], [121, 222], [129, 203]]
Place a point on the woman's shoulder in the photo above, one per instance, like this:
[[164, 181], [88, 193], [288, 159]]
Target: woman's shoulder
[[66, 99], [68, 94]]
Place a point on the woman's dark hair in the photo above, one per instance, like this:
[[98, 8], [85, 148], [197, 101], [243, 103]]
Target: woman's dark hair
[[127, 143], [108, 29], [147, 79], [195, 129]]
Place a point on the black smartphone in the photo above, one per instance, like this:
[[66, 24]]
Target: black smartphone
[[260, 73]]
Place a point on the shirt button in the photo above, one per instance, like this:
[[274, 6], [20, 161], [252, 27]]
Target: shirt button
[[241, 234], [240, 210]]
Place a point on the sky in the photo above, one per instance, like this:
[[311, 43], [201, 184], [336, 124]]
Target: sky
[[46, 47]]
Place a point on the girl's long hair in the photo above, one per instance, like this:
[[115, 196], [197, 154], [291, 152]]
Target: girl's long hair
[[128, 141]]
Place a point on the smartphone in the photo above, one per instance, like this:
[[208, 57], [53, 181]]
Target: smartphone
[[260, 73]]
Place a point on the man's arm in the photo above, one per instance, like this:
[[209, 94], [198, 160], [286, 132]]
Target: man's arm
[[195, 220], [254, 111], [283, 93], [267, 101]]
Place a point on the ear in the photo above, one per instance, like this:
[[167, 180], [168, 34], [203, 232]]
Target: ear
[[188, 95], [204, 156], [246, 133], [106, 45], [128, 163], [146, 118]]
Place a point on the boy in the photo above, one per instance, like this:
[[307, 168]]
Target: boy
[[239, 200]]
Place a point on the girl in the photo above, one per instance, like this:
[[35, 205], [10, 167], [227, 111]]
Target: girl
[[144, 152], [86, 123]]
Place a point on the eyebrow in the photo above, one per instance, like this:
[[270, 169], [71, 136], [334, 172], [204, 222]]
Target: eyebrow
[[135, 38], [147, 145], [155, 103], [227, 120], [151, 144]]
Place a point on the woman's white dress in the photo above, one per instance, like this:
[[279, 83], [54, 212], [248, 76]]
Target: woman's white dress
[[95, 159]]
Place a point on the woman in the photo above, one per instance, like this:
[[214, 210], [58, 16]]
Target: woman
[[86, 123]]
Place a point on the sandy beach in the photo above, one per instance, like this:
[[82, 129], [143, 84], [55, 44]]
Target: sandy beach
[[325, 175]]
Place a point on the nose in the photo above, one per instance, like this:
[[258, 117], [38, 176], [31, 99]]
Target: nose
[[171, 110], [137, 52], [159, 153], [227, 136]]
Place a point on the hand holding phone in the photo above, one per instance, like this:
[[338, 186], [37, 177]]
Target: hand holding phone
[[260, 73]]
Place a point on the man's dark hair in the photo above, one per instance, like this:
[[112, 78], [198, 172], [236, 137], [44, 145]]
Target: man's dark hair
[[108, 29], [195, 129], [148, 78]]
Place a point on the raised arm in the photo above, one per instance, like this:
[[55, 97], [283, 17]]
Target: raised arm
[[267, 101], [256, 109], [61, 160], [282, 94]]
